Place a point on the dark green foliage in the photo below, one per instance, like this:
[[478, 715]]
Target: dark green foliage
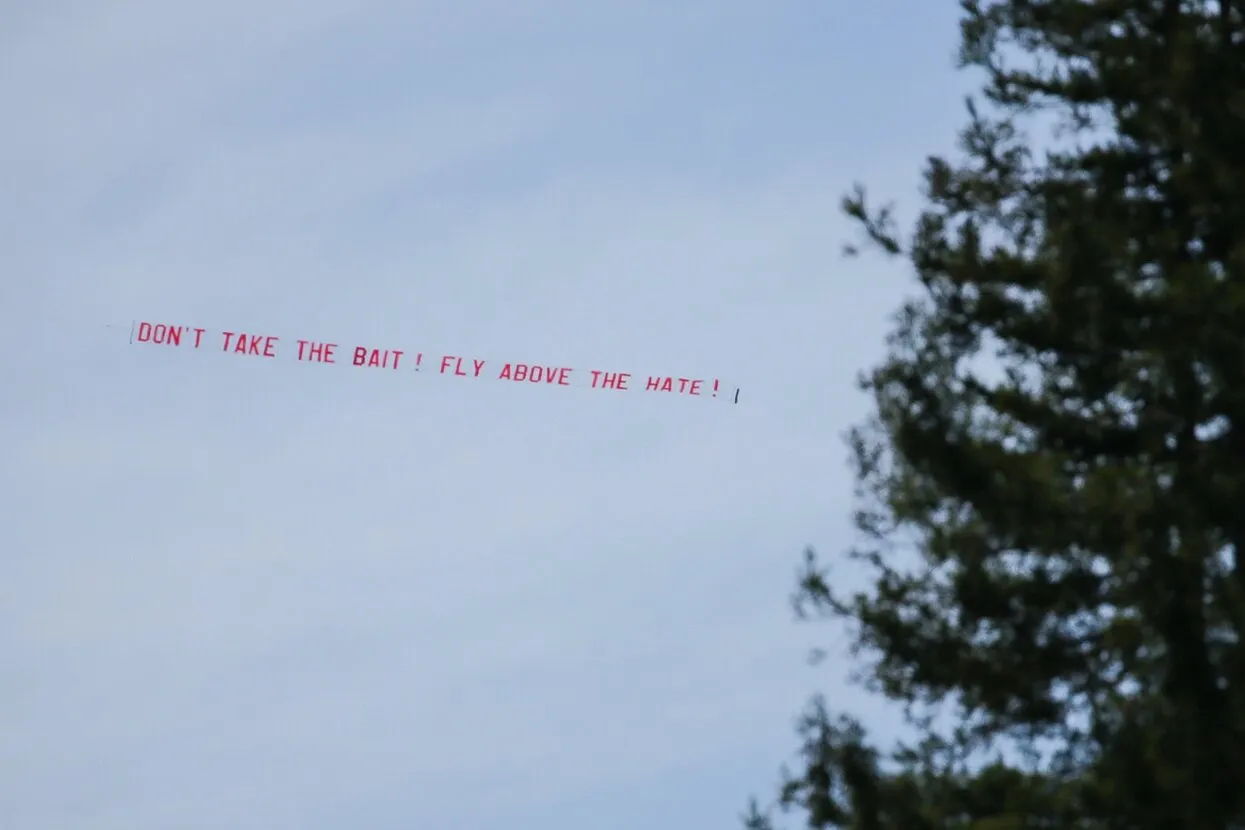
[[1053, 485]]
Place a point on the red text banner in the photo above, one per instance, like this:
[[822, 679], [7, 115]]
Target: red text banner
[[413, 363]]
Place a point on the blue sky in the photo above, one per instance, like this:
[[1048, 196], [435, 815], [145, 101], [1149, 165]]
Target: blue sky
[[270, 596]]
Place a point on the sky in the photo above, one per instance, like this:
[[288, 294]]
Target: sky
[[266, 594]]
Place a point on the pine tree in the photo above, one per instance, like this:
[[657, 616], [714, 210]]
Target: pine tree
[[1052, 486]]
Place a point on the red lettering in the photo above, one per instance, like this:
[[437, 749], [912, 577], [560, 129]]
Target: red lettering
[[479, 367], [376, 358], [531, 374], [686, 386], [198, 336], [253, 344], [160, 333], [610, 380], [458, 368], [549, 374], [445, 363], [659, 384], [514, 372], [316, 352]]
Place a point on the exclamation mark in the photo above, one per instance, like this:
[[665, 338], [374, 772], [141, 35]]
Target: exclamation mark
[[419, 358], [715, 388]]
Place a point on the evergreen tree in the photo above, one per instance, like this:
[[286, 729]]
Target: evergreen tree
[[1052, 487]]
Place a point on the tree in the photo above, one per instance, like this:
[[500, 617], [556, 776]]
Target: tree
[[1052, 486]]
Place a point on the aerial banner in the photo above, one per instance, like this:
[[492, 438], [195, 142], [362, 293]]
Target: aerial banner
[[419, 364]]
